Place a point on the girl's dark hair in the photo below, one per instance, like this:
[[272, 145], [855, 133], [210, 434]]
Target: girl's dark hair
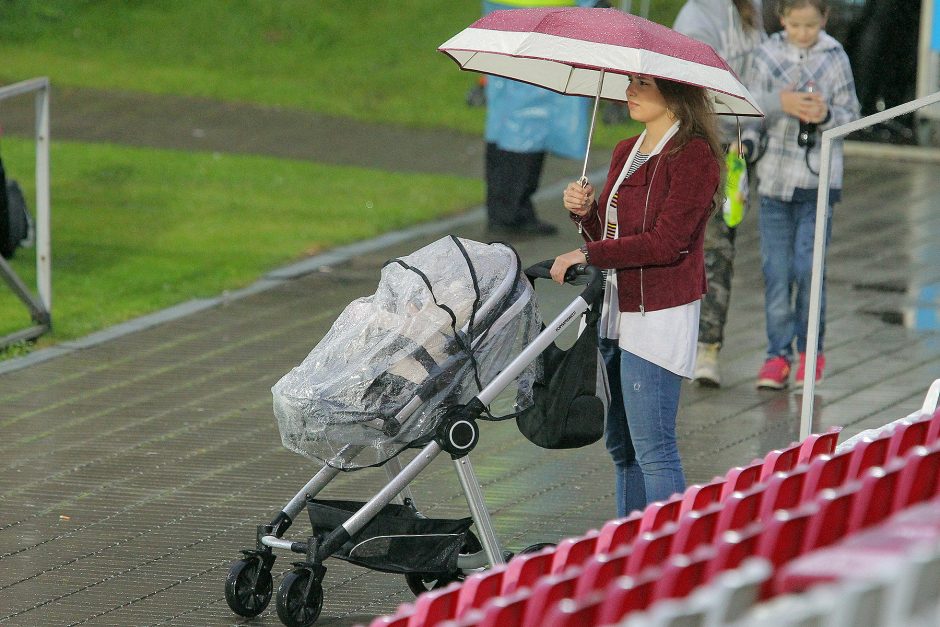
[[748, 13], [693, 109], [785, 6]]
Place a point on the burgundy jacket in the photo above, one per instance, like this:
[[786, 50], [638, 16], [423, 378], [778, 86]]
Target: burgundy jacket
[[659, 257]]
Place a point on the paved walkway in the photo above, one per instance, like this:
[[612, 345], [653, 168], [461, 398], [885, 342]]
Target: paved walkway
[[136, 465]]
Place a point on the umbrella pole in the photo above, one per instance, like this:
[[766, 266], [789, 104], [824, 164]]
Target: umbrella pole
[[587, 151]]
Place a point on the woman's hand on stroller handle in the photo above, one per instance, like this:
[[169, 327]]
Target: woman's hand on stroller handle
[[560, 267]]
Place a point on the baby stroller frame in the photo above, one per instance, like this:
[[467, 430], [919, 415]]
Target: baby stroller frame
[[249, 584]]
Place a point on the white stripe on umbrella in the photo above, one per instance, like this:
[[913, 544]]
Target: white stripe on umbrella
[[571, 66]]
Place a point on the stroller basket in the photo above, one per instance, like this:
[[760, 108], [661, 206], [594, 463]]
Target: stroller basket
[[397, 540]]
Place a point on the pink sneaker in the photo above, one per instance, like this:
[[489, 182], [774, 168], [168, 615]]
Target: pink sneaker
[[801, 369], [774, 374]]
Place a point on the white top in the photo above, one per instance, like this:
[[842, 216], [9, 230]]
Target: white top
[[666, 337]]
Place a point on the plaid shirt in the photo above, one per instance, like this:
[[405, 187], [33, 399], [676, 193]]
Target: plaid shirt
[[777, 66]]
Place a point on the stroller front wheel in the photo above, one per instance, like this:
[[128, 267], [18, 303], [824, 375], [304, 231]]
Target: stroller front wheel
[[299, 600], [248, 587]]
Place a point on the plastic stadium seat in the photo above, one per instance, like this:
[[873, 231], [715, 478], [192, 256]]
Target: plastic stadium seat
[[503, 611], [524, 569], [697, 528], [782, 538], [780, 460], [699, 496], [658, 513], [819, 444], [906, 436], [878, 549], [479, 588], [650, 549], [619, 532], [919, 477], [570, 613], [599, 571], [669, 613], [873, 503], [827, 472], [783, 491], [831, 522], [740, 509], [626, 595], [867, 454], [682, 574], [933, 433], [733, 547], [396, 620], [731, 594], [435, 606], [740, 478], [546, 593], [573, 551]]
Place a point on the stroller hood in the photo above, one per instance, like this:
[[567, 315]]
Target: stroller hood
[[442, 323]]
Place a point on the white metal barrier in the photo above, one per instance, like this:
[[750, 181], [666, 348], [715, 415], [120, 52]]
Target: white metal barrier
[[41, 308], [819, 245]]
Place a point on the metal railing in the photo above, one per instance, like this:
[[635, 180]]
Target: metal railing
[[40, 308], [819, 244]]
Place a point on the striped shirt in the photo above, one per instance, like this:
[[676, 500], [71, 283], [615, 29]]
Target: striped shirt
[[611, 231]]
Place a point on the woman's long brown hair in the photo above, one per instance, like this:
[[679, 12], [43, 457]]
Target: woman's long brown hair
[[696, 116]]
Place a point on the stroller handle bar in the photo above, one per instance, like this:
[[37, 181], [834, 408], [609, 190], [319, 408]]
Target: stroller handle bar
[[579, 274]]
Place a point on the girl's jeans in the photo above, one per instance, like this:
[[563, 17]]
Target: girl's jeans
[[786, 246], [641, 429]]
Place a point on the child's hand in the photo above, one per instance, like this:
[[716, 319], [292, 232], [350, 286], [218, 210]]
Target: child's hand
[[809, 107]]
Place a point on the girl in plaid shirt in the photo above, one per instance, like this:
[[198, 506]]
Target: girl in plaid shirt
[[802, 80]]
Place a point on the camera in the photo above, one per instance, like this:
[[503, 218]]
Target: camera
[[806, 137]]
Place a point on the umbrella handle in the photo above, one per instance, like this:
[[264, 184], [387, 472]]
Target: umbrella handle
[[597, 99]]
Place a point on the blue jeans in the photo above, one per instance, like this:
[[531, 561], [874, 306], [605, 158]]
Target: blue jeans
[[641, 429], [787, 231]]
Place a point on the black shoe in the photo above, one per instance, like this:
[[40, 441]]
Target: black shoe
[[531, 228]]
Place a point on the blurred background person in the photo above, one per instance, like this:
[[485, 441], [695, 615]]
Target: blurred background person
[[523, 124], [734, 28]]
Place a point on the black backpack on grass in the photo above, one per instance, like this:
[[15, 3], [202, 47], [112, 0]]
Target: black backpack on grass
[[15, 221]]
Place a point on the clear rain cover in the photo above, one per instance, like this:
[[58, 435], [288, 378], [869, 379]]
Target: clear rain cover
[[391, 363]]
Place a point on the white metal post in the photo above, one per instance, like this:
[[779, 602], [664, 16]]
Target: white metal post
[[819, 243], [43, 213]]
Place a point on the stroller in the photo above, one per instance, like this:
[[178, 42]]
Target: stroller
[[417, 366]]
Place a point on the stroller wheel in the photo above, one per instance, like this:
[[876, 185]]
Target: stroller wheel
[[248, 587], [295, 607], [535, 548], [420, 583]]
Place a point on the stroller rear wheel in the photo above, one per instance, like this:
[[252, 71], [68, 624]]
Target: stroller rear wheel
[[420, 583], [248, 587], [296, 607]]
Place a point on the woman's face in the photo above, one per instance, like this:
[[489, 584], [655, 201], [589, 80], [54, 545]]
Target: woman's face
[[644, 100]]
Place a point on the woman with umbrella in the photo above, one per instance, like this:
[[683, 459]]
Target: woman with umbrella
[[647, 229]]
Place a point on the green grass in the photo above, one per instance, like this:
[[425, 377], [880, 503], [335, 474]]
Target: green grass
[[138, 230], [368, 60]]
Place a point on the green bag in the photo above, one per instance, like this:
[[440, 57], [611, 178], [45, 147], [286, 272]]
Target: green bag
[[736, 189]]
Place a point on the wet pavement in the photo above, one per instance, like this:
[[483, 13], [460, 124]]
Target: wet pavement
[[136, 464]]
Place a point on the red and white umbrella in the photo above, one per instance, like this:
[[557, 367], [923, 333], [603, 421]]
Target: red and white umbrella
[[589, 52]]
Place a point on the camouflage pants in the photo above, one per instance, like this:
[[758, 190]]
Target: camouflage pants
[[719, 269]]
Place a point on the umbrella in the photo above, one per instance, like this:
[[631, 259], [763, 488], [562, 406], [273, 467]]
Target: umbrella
[[589, 52]]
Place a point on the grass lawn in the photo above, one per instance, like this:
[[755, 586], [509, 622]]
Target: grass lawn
[[374, 61], [138, 230]]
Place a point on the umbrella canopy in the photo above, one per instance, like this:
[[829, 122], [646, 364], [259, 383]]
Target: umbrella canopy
[[589, 52]]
